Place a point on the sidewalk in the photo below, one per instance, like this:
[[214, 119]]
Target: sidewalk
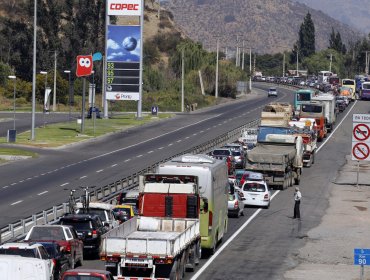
[[328, 253]]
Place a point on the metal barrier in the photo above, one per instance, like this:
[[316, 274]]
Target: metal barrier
[[19, 229]]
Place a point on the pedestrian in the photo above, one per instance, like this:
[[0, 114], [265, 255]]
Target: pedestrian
[[297, 202]]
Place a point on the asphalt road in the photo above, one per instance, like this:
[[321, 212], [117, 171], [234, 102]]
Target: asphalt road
[[264, 243], [30, 186]]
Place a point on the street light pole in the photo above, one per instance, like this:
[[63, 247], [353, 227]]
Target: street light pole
[[216, 86], [69, 92], [250, 69], [13, 78], [34, 72]]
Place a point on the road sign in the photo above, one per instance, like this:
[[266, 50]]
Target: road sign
[[361, 256], [360, 151], [361, 132], [154, 110], [84, 65]]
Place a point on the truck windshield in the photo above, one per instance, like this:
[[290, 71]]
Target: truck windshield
[[366, 86], [308, 108], [264, 131]]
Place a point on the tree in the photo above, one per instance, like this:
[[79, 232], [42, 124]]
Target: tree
[[335, 42], [306, 42]]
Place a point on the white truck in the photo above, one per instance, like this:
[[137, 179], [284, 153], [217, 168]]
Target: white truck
[[305, 128], [162, 245], [23, 268], [248, 138], [329, 103]]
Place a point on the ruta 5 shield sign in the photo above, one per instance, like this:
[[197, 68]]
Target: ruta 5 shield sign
[[84, 65]]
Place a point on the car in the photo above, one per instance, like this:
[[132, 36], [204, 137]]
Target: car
[[65, 236], [103, 210], [87, 274], [59, 257], [28, 250], [235, 204], [256, 193], [226, 155], [272, 92], [341, 103], [238, 176], [129, 198], [239, 158], [89, 228], [250, 176], [123, 213]]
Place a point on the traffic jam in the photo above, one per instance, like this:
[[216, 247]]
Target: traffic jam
[[167, 225]]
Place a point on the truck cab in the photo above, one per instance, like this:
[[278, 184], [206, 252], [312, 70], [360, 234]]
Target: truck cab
[[315, 111]]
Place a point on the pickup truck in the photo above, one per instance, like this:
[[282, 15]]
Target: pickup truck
[[165, 239], [65, 236]]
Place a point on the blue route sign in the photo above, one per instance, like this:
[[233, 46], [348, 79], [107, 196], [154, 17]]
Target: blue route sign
[[361, 256], [154, 110]]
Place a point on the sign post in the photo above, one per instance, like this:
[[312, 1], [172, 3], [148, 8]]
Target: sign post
[[361, 257], [360, 140]]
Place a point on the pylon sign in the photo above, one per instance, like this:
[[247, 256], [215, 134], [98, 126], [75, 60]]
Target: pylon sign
[[84, 65], [361, 137]]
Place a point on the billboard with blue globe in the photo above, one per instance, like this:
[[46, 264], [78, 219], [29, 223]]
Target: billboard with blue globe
[[123, 62]]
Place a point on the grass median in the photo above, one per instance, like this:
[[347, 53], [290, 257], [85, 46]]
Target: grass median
[[60, 134]]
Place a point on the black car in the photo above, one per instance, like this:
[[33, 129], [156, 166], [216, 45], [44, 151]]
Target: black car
[[59, 257], [89, 228]]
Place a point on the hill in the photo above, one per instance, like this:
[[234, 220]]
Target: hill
[[269, 26], [354, 13]]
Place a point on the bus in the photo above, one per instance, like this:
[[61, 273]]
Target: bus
[[352, 85], [303, 96], [365, 91], [214, 187], [324, 76]]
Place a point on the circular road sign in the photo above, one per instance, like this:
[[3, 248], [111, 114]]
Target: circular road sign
[[361, 151], [361, 132]]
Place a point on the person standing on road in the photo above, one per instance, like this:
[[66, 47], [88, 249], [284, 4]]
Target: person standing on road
[[297, 202]]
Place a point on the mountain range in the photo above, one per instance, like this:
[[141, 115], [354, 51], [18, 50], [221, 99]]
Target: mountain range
[[355, 13], [267, 26]]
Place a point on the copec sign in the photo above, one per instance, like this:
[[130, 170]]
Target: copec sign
[[124, 7]]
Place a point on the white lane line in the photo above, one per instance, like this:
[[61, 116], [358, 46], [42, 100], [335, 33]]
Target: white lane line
[[139, 156], [29, 178], [42, 174], [65, 184], [41, 193], [170, 144], [127, 160], [337, 126], [178, 141], [83, 177], [150, 152], [98, 171], [204, 267], [195, 134], [21, 181], [5, 187], [12, 184], [14, 203], [201, 131], [113, 165], [187, 137]]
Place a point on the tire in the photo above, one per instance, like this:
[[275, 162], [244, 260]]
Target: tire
[[267, 207]]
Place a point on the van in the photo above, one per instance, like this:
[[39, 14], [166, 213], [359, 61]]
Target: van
[[23, 268], [213, 187]]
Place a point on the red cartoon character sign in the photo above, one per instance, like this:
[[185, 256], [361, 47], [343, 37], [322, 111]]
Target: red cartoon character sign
[[84, 65]]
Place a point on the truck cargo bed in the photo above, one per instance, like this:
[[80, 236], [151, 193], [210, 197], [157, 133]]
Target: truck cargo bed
[[274, 154]]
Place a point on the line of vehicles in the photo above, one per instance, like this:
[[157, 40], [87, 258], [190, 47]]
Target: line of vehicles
[[179, 214]]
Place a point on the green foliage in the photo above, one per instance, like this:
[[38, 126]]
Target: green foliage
[[270, 64], [335, 42], [321, 61], [306, 40]]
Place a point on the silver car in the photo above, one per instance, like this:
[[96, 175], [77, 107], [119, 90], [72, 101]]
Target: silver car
[[235, 204]]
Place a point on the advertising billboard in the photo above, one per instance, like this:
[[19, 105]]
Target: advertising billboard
[[124, 7]]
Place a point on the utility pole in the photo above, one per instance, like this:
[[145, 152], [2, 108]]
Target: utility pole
[[331, 60], [250, 69], [367, 58], [55, 83], [243, 56], [182, 79], [297, 61], [216, 85], [284, 64], [34, 72], [237, 51]]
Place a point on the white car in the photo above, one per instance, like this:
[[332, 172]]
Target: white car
[[272, 92], [256, 193]]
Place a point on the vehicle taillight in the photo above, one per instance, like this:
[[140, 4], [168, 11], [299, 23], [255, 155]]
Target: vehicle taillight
[[54, 262], [236, 204], [210, 218], [94, 234], [68, 247], [266, 197]]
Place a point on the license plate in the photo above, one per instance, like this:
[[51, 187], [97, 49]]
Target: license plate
[[110, 264]]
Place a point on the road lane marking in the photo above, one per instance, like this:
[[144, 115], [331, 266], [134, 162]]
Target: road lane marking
[[178, 141], [139, 156], [150, 152], [41, 193], [160, 148], [113, 165], [98, 171], [127, 160], [65, 184], [5, 187], [17, 202], [82, 177], [12, 184], [204, 267]]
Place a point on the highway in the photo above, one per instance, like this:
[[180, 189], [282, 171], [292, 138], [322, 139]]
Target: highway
[[268, 239]]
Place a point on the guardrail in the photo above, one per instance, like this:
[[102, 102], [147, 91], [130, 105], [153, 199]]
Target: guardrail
[[19, 229]]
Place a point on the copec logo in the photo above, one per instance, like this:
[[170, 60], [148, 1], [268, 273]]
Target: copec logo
[[122, 6]]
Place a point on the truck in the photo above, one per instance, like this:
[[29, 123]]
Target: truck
[[214, 187], [329, 103], [276, 114], [306, 129], [365, 91], [278, 155], [164, 240], [248, 138], [315, 111]]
